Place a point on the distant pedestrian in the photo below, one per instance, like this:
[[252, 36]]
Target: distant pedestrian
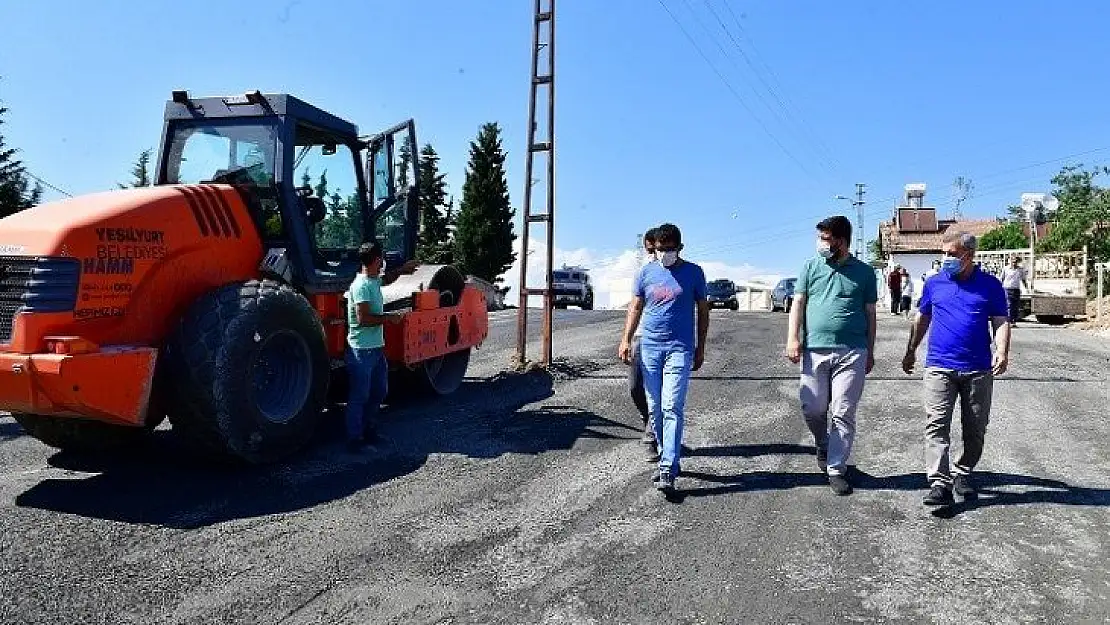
[[934, 269], [835, 301], [666, 294], [907, 292], [894, 287], [966, 304], [635, 372], [1013, 278]]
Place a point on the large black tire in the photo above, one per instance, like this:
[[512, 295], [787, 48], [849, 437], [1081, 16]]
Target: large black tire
[[443, 375], [249, 372], [81, 435]]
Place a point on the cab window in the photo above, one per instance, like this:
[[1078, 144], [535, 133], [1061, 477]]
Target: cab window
[[325, 173]]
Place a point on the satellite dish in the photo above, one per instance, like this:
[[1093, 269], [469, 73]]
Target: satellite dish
[[1036, 205], [1030, 202], [1050, 203]]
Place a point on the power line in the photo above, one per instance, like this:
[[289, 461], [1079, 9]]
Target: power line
[[791, 231], [787, 118], [774, 78], [734, 93], [47, 184], [773, 229]]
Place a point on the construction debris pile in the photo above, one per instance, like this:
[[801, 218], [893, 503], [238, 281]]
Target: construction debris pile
[[1093, 322]]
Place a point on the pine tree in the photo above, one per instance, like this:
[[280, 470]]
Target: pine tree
[[434, 244], [484, 236], [140, 172], [322, 186], [16, 192]]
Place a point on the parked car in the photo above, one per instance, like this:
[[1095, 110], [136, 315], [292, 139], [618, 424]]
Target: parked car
[[722, 294], [572, 287], [782, 297]]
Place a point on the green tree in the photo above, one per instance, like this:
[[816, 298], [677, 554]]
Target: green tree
[[962, 188], [16, 191], [341, 227], [1010, 236], [1083, 217], [434, 245], [140, 172], [875, 250], [1016, 212], [322, 186], [404, 162], [484, 236]]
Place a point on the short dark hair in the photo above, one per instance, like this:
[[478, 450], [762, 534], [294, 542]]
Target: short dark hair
[[369, 252], [838, 226], [668, 232], [650, 234]]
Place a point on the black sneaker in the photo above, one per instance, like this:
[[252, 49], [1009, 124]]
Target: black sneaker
[[964, 487], [823, 460], [357, 446], [840, 485], [651, 453], [648, 437], [939, 495], [664, 482]]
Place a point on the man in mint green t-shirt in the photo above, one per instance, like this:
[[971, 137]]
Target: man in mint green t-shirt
[[367, 369], [834, 300]]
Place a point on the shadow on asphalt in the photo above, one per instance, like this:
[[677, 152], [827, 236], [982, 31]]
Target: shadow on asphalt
[[749, 451], [10, 429], [1038, 490], [169, 485]]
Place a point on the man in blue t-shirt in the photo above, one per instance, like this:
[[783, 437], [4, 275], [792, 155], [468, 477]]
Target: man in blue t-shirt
[[959, 307], [665, 294]]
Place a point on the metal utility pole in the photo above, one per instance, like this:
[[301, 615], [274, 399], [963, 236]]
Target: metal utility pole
[[860, 244], [543, 45]]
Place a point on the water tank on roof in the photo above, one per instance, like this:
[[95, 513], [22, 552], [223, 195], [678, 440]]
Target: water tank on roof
[[915, 194]]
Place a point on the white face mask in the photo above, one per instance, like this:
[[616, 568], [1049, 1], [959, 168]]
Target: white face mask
[[668, 258], [824, 249]]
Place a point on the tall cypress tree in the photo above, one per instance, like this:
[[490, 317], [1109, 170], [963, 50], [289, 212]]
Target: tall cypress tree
[[484, 236], [434, 245]]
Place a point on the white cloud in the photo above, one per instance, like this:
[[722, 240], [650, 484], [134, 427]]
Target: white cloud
[[612, 274]]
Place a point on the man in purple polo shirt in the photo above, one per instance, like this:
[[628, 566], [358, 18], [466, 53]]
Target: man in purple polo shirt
[[961, 305]]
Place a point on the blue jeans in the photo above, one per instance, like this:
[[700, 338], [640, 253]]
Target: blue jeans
[[368, 373], [666, 378]]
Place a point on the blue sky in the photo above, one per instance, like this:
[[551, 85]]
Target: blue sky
[[861, 91]]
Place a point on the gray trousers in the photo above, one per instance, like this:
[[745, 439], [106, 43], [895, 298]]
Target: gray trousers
[[832, 384], [974, 391]]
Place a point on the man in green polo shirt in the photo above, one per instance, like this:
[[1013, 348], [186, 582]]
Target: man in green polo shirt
[[367, 367], [834, 301]]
